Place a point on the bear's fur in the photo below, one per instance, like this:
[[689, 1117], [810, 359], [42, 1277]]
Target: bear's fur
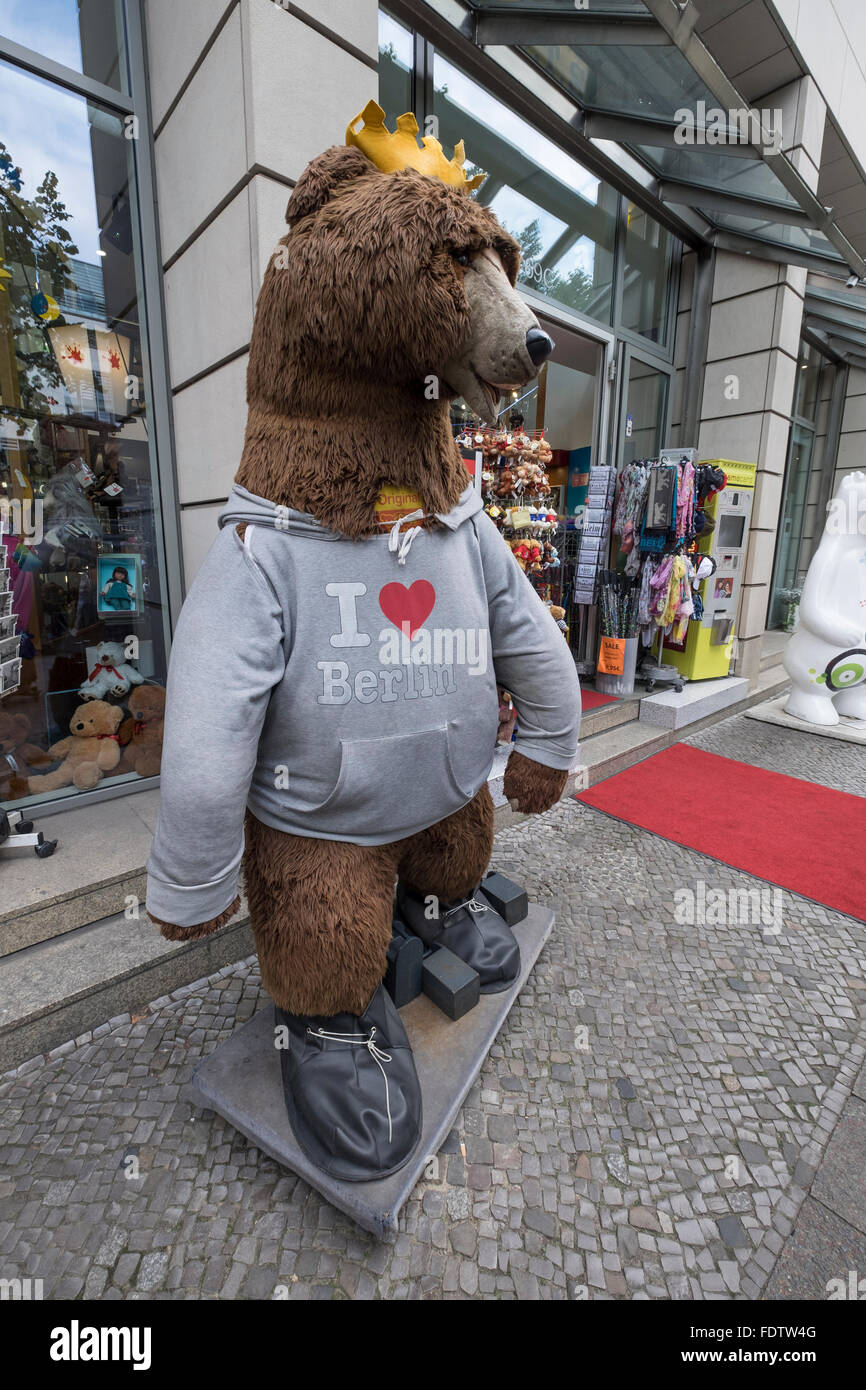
[[361, 312], [142, 732], [337, 379]]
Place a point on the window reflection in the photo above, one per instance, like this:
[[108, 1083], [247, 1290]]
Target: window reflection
[[562, 215], [396, 58], [81, 561], [84, 35], [646, 278]]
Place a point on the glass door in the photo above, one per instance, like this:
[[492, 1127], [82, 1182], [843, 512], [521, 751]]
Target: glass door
[[788, 574], [644, 402]]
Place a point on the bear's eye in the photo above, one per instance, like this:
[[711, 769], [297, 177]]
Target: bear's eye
[[463, 258]]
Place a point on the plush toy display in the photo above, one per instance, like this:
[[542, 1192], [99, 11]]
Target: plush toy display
[[17, 755], [826, 657], [142, 733], [336, 681], [92, 749], [111, 674]]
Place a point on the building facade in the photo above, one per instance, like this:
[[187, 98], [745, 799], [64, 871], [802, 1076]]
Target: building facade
[[687, 185]]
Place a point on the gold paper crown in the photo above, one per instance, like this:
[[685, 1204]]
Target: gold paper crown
[[399, 150]]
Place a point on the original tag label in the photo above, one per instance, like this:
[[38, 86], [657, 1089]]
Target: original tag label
[[395, 503]]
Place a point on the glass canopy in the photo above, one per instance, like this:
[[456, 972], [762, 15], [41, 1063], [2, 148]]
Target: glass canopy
[[634, 80]]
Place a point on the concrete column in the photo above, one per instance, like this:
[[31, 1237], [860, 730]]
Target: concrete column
[[755, 326], [243, 94]]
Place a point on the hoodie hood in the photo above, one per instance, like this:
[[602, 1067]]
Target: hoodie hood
[[243, 506]]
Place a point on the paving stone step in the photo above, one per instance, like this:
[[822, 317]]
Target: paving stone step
[[97, 867], [69, 985], [595, 721], [612, 751]]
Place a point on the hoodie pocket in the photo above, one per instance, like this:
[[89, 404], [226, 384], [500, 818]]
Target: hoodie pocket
[[392, 786]]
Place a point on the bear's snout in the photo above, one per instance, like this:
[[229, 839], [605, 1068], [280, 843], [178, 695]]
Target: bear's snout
[[539, 345], [506, 346]]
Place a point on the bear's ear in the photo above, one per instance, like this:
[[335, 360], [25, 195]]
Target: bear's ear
[[323, 177]]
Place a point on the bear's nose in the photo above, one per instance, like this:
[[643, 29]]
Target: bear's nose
[[539, 345]]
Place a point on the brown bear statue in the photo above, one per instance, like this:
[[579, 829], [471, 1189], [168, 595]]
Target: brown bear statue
[[332, 709]]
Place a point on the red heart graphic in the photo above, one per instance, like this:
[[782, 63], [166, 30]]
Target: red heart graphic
[[408, 606]]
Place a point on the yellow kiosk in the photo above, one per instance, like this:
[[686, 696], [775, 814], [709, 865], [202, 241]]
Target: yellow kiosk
[[709, 644]]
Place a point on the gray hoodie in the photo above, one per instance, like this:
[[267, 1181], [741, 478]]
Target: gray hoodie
[[343, 689]]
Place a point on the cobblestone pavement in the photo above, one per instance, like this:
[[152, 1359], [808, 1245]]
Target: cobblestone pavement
[[646, 1125]]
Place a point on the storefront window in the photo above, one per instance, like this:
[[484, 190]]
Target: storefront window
[[81, 564], [563, 217], [807, 381], [396, 58], [645, 410], [85, 35], [646, 276], [808, 475]]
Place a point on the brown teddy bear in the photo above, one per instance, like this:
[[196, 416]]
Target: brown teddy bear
[[337, 676], [16, 754], [142, 733], [91, 750]]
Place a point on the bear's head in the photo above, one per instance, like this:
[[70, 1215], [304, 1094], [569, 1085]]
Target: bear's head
[[95, 719], [391, 294], [147, 702], [110, 654], [14, 730]]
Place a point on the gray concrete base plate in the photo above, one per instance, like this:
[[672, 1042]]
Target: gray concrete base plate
[[241, 1081], [774, 712]]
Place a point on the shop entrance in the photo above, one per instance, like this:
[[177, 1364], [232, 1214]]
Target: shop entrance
[[566, 401], [569, 402], [536, 464]]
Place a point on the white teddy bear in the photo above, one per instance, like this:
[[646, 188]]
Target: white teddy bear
[[112, 674]]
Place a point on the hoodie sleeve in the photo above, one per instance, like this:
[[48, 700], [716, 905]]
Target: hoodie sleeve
[[531, 657], [226, 657]]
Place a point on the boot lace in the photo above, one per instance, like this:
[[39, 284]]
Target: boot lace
[[362, 1040]]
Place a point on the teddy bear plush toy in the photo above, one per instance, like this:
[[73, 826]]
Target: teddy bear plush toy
[[91, 750], [111, 674], [16, 755], [142, 732], [312, 687]]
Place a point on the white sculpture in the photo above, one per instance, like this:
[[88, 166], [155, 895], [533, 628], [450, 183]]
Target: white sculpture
[[826, 657]]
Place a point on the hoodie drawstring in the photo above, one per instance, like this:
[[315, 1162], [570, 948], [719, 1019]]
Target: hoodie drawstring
[[403, 544]]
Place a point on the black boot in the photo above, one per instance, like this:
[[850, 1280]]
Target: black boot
[[352, 1091], [469, 927]]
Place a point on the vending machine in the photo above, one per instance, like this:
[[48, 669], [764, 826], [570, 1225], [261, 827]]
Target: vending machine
[[706, 652]]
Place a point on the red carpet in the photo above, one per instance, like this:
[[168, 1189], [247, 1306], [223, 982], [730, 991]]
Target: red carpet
[[591, 699], [792, 833]]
